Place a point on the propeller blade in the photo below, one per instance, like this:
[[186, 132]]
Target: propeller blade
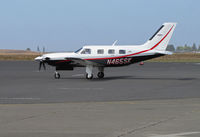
[[40, 65], [42, 62], [44, 65]]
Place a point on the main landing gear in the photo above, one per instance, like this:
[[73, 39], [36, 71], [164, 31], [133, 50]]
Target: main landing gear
[[56, 75], [89, 74], [100, 74]]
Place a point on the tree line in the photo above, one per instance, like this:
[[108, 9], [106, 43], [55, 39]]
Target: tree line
[[184, 48]]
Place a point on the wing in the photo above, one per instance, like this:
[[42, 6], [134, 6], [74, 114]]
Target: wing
[[82, 62]]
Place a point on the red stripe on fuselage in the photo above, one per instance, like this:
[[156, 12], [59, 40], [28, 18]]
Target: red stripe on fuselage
[[63, 61], [136, 52]]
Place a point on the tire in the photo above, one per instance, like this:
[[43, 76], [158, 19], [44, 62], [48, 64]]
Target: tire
[[100, 75], [87, 77], [57, 76]]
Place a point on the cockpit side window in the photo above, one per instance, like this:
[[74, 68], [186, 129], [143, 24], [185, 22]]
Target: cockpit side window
[[86, 51]]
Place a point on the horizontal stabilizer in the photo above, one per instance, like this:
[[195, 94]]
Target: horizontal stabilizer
[[165, 52]]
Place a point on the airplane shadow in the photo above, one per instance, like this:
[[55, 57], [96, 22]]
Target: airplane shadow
[[144, 78], [132, 78]]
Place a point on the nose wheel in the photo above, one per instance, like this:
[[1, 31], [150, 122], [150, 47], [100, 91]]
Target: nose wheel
[[56, 75]]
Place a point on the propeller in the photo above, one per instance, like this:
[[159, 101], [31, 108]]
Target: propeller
[[42, 62], [41, 59]]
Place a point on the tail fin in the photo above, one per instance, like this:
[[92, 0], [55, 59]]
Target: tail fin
[[160, 39]]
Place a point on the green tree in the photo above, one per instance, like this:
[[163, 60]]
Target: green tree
[[180, 49], [28, 49], [199, 48], [43, 49], [170, 48], [187, 48], [194, 47], [38, 49]]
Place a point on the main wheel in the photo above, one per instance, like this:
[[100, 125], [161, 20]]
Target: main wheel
[[56, 75], [89, 77], [100, 75]]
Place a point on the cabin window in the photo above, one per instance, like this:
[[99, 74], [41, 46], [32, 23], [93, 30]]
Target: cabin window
[[86, 51], [122, 51], [100, 51], [111, 51]]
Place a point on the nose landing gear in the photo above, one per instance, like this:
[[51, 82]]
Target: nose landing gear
[[56, 75]]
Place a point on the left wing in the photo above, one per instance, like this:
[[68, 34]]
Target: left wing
[[82, 62]]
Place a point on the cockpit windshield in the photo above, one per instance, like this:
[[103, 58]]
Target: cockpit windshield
[[86, 51], [78, 50]]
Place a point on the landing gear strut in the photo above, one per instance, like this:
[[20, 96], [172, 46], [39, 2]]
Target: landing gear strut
[[89, 74], [56, 75], [89, 77]]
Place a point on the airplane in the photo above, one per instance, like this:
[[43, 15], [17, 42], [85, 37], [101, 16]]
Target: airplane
[[102, 56]]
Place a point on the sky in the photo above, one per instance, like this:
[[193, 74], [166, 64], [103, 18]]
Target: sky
[[66, 25]]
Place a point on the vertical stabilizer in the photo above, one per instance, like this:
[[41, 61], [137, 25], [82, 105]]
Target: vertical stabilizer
[[160, 39]]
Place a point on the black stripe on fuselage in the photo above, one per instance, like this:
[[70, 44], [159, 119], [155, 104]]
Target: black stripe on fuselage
[[63, 63]]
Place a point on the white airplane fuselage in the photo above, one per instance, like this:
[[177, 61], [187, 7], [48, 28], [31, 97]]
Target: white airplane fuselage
[[131, 54]]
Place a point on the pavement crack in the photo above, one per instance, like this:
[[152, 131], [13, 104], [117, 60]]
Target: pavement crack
[[145, 126], [28, 117]]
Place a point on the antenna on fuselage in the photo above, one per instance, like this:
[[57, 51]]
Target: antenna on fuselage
[[114, 43]]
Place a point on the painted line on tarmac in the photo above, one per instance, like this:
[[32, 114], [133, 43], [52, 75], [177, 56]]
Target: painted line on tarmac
[[81, 88], [176, 135], [20, 98], [77, 75]]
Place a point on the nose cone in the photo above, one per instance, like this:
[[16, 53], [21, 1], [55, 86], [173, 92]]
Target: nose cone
[[39, 58]]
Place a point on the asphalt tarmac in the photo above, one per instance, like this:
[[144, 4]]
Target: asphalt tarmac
[[21, 82], [153, 100]]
